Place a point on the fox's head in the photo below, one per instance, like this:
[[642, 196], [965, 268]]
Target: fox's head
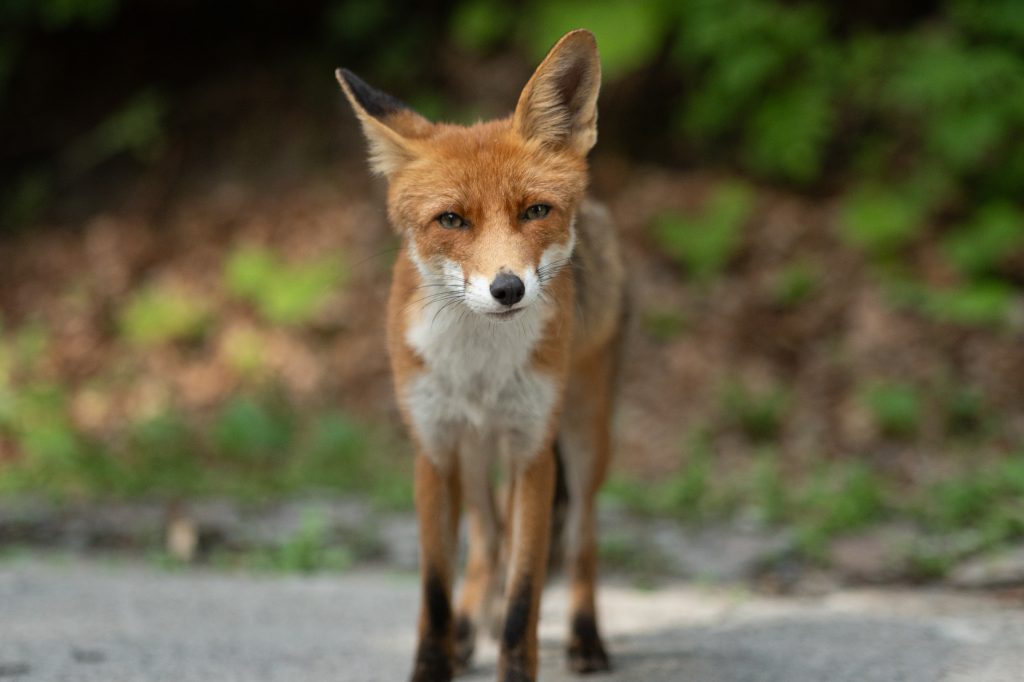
[[487, 211]]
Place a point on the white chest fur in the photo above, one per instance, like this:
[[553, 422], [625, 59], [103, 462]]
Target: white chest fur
[[478, 382]]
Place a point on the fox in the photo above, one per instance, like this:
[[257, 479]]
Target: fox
[[504, 327]]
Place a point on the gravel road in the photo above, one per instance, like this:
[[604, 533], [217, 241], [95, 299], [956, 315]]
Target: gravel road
[[86, 621]]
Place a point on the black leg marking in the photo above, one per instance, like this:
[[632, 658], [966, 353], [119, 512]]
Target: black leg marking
[[586, 651], [517, 618], [433, 661], [465, 642], [439, 610]]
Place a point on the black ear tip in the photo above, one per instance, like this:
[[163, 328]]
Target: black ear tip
[[375, 102], [343, 74]]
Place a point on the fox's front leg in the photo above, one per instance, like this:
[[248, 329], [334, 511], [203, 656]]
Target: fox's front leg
[[437, 509], [530, 527]]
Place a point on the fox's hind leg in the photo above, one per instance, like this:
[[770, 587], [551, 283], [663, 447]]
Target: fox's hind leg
[[585, 444], [482, 583]]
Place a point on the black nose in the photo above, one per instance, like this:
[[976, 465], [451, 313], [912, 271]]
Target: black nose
[[507, 289]]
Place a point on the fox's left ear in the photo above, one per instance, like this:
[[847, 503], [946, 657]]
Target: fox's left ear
[[558, 107], [391, 127]]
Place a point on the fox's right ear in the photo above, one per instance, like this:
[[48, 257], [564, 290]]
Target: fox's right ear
[[390, 126]]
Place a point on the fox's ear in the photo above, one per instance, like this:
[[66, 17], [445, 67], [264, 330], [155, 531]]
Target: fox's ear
[[559, 105], [390, 126]]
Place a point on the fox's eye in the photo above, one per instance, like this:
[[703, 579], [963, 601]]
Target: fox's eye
[[450, 221], [536, 212]]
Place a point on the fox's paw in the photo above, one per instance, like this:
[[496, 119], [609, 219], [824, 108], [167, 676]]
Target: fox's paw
[[432, 665], [431, 671], [586, 651], [465, 643]]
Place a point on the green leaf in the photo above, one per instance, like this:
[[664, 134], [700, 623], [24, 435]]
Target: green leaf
[[787, 132], [995, 232], [704, 242], [479, 25], [286, 294], [248, 430], [896, 408], [159, 313], [980, 304], [881, 221], [628, 33]]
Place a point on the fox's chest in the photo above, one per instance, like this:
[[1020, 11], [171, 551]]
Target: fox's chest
[[478, 378]]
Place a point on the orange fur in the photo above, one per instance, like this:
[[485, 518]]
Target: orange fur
[[471, 388]]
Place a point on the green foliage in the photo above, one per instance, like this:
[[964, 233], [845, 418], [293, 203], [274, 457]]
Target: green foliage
[[762, 71], [988, 19], [795, 284], [629, 33], [787, 133], [479, 25], [137, 128], [686, 494], [895, 408], [248, 431], [704, 242], [881, 221], [664, 324], [334, 450], [757, 414], [985, 303], [839, 501], [966, 413], [981, 245], [59, 14], [355, 21], [311, 549], [25, 199], [770, 494], [157, 313], [283, 293], [986, 499]]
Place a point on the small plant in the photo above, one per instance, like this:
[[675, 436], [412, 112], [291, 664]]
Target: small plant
[[979, 304], [965, 412], [757, 414], [981, 245], [769, 492], [839, 500], [664, 324], [248, 431], [309, 550], [794, 285], [286, 294], [881, 221], [788, 130], [704, 243], [158, 313], [895, 408]]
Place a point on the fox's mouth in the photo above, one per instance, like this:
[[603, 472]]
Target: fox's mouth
[[506, 314]]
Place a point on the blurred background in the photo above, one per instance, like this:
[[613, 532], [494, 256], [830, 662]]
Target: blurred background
[[822, 205]]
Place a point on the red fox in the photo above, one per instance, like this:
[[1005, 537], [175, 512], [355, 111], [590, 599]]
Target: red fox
[[504, 322]]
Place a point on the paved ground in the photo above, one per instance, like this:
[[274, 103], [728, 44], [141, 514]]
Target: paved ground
[[85, 622]]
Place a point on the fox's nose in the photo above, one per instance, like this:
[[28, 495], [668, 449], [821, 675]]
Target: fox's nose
[[507, 289]]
